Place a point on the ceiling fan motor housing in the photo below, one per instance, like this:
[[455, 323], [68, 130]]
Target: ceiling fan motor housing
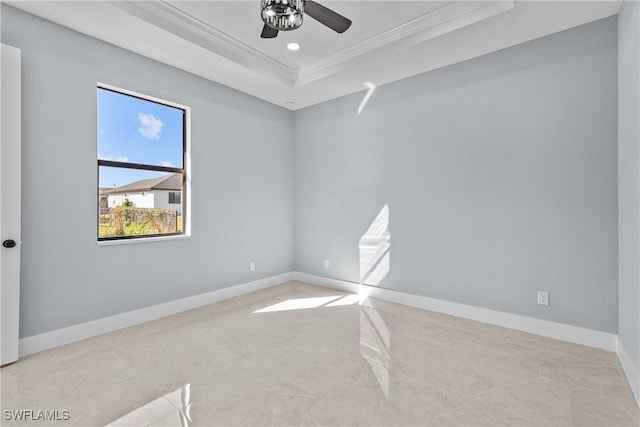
[[283, 15]]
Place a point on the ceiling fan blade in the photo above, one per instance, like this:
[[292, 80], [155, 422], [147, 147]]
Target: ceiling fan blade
[[328, 17], [268, 32]]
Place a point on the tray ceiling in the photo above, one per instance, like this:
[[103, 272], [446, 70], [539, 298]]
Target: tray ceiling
[[389, 40]]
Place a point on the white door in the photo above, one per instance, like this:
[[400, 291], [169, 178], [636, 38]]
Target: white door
[[10, 106]]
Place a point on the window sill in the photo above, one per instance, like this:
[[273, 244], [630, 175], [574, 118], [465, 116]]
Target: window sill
[[141, 240]]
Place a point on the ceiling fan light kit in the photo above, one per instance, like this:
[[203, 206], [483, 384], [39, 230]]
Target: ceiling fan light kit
[[282, 15], [286, 15]]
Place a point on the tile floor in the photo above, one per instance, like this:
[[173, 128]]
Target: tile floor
[[298, 354]]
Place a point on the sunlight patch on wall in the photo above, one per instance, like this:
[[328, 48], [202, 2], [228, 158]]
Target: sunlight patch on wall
[[375, 254], [375, 264]]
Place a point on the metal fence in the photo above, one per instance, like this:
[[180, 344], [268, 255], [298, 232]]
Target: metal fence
[[128, 220]]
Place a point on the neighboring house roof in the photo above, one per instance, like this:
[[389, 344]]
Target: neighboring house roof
[[167, 182], [104, 190]]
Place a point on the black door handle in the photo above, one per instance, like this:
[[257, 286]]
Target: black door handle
[[9, 243]]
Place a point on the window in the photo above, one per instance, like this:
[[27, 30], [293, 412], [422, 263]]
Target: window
[[174, 197], [142, 153]]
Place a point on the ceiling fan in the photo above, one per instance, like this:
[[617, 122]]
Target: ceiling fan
[[286, 15]]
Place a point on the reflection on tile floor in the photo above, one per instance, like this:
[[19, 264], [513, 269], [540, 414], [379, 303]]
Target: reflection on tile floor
[[298, 354]]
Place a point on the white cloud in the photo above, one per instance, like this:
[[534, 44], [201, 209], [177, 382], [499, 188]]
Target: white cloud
[[113, 158], [167, 164], [150, 127]]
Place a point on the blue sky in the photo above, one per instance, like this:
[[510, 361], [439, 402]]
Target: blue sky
[[136, 131]]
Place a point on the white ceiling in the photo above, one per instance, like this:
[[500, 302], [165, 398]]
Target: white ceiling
[[389, 40]]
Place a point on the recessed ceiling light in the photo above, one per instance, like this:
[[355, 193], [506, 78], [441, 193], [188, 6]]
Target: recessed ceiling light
[[293, 46]]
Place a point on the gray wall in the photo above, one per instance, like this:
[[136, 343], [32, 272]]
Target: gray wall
[[499, 173], [242, 183], [629, 180]]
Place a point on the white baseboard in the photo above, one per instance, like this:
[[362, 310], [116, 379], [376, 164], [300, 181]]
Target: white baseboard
[[47, 340], [630, 371], [592, 338], [561, 331]]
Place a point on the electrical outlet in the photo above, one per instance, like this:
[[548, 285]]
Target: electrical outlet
[[326, 263], [543, 297], [252, 266]]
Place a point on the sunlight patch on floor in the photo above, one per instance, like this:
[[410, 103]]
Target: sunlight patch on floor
[[347, 300], [170, 409], [375, 346], [299, 304]]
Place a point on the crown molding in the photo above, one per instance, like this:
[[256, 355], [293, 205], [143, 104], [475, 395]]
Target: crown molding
[[170, 18], [241, 65], [450, 17]]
